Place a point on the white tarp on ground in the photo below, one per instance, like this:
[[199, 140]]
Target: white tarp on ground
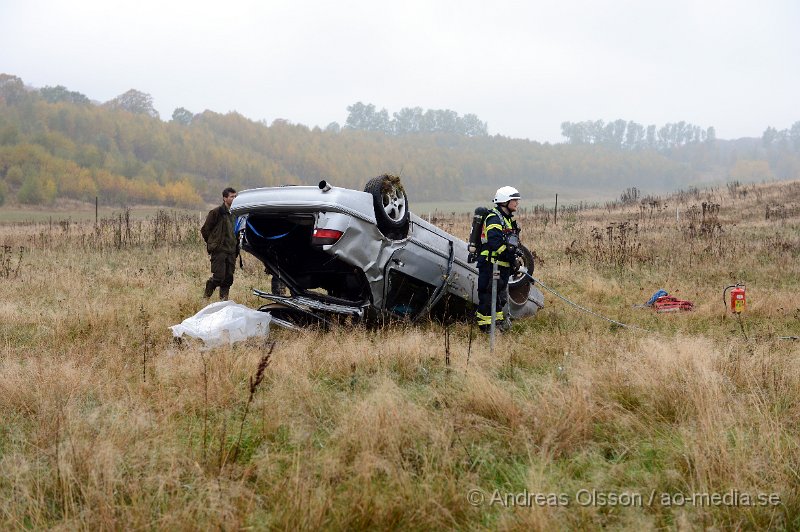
[[224, 322]]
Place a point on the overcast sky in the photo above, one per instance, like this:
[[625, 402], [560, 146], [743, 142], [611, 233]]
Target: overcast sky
[[522, 67]]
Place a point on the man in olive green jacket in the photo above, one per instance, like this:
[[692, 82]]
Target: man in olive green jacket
[[218, 232]]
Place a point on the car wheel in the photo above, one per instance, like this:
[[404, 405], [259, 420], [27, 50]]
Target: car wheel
[[519, 287], [526, 267], [391, 205]]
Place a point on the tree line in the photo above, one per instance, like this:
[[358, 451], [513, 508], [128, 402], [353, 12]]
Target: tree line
[[630, 135], [411, 120], [56, 143], [788, 138]]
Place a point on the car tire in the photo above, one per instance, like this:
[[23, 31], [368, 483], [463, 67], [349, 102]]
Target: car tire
[[391, 206], [527, 267], [519, 286]]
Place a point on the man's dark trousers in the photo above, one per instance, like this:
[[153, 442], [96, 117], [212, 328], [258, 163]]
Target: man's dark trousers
[[222, 267]]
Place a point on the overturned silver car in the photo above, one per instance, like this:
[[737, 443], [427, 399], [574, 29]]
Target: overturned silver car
[[362, 256]]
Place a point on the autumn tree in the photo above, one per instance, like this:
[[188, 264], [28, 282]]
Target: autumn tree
[[37, 190], [135, 102], [60, 93], [182, 116], [12, 89], [408, 120]]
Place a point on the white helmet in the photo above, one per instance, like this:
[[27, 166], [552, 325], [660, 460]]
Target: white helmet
[[505, 194]]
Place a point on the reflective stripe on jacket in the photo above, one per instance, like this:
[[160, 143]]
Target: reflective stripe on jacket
[[493, 236]]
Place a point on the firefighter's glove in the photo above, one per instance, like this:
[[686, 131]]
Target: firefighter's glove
[[512, 243], [519, 262]]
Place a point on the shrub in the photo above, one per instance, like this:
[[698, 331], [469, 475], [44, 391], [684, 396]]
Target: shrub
[[37, 191], [14, 175]]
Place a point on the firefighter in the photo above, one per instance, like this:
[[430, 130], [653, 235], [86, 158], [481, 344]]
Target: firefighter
[[499, 243]]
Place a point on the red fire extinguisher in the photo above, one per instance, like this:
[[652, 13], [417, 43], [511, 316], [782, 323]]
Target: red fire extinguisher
[[738, 300]]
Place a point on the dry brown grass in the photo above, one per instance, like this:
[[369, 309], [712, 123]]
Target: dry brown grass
[[369, 428]]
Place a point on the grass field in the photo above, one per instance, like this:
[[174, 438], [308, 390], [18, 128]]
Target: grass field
[[573, 423], [542, 196], [75, 211]]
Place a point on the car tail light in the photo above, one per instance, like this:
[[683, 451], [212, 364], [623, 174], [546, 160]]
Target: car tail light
[[324, 237]]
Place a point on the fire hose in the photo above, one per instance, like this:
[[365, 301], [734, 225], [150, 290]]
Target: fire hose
[[535, 281]]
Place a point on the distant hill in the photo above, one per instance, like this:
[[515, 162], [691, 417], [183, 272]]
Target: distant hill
[[57, 143]]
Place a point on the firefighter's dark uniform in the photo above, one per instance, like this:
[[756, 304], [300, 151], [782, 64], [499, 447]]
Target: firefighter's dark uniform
[[496, 227], [218, 232]]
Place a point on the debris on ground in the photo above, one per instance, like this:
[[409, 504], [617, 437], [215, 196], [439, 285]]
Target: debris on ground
[[224, 322], [661, 301]]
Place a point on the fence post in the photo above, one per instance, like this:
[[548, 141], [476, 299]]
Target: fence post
[[555, 212]]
